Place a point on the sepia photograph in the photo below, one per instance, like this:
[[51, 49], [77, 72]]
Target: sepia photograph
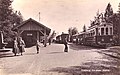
[[59, 37]]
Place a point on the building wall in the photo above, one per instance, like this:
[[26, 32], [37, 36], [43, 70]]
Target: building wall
[[30, 32], [29, 37]]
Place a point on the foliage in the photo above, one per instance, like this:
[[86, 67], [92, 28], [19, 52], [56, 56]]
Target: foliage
[[53, 35], [16, 18], [7, 19], [119, 8], [115, 20], [84, 28], [108, 13], [5, 9], [109, 10], [72, 31]]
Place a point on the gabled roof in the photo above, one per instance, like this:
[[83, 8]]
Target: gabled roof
[[30, 20]]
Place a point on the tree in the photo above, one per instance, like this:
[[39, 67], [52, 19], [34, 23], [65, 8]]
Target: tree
[[72, 31], [119, 8], [5, 12], [51, 37], [108, 11], [53, 34], [7, 19], [5, 9], [84, 28], [115, 20], [16, 18], [116, 28]]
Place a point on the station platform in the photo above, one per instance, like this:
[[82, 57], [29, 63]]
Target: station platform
[[5, 49]]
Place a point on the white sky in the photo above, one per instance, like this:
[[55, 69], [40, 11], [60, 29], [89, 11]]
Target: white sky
[[59, 15]]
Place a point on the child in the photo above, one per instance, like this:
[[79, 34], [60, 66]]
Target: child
[[37, 46]]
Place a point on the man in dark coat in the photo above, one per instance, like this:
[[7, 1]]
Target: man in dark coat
[[37, 46], [66, 47]]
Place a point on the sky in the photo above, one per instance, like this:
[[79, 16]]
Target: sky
[[60, 15]]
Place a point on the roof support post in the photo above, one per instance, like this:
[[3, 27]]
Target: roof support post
[[45, 37]]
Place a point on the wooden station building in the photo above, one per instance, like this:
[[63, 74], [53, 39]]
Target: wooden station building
[[31, 30]]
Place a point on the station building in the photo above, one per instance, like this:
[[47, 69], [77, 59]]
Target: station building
[[31, 30]]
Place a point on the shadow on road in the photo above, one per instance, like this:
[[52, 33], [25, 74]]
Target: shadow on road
[[89, 68], [55, 52], [100, 66], [30, 53]]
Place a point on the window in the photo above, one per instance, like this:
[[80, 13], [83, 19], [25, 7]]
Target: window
[[106, 31], [104, 24], [93, 32], [96, 31], [111, 31], [102, 31], [29, 34], [89, 34]]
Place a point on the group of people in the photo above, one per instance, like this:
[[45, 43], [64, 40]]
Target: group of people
[[64, 42], [18, 46], [49, 41]]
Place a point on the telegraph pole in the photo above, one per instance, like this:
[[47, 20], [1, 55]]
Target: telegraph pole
[[45, 35], [39, 16]]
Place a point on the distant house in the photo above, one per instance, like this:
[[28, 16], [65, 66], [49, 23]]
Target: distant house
[[31, 30]]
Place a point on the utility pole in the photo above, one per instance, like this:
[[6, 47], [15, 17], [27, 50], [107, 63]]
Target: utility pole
[[39, 16], [45, 35]]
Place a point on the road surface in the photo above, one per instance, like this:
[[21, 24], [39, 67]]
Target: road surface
[[53, 61]]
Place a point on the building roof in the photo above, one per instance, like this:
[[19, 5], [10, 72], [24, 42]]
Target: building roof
[[30, 19]]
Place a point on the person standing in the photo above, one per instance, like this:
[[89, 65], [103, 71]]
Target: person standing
[[21, 46], [37, 46], [66, 47], [15, 47], [49, 40]]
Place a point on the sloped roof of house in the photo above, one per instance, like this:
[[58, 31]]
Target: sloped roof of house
[[32, 20]]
